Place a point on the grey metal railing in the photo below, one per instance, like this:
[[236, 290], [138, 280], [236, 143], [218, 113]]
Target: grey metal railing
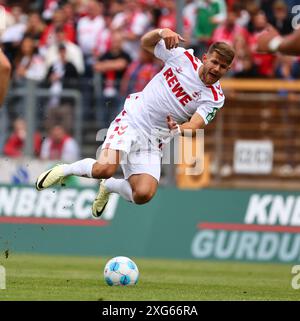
[[30, 92]]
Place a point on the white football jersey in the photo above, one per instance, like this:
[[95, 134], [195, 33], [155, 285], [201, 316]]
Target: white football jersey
[[176, 90]]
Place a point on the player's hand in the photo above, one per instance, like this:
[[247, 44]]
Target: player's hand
[[265, 37], [171, 38], [173, 126]]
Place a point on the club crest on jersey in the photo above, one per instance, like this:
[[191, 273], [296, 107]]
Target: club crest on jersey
[[197, 94], [179, 69]]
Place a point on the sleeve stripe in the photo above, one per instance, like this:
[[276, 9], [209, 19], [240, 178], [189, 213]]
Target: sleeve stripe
[[191, 59], [214, 92]]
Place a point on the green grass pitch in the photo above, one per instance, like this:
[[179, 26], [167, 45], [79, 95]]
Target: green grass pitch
[[41, 277]]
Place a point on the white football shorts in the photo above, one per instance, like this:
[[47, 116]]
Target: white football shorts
[[139, 155]]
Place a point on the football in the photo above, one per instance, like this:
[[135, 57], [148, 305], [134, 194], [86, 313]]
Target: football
[[121, 270]]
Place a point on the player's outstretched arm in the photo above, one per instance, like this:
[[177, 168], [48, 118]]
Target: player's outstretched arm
[[271, 41], [5, 70], [151, 38], [196, 122]]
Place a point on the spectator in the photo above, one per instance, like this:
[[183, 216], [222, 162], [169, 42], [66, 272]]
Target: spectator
[[139, 73], [35, 27], [59, 146], [48, 37], [111, 67], [3, 127], [115, 7], [29, 64], [133, 23], [9, 18], [103, 40], [15, 143], [233, 34], [247, 67], [71, 17], [266, 6], [61, 75], [281, 19], [210, 14], [264, 61], [189, 13], [168, 18], [49, 9], [88, 30], [243, 16], [284, 66], [79, 8], [73, 52], [13, 34], [253, 9], [5, 73], [295, 72], [230, 30]]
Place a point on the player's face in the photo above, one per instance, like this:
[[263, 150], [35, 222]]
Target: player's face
[[214, 68]]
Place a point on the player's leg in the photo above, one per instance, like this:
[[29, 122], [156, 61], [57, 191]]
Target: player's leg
[[137, 160], [140, 179], [120, 186], [105, 167], [139, 188], [143, 187], [144, 175]]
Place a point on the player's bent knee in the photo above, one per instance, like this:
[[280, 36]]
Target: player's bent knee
[[142, 196], [103, 171]]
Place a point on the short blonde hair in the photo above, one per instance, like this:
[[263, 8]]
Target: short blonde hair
[[223, 49]]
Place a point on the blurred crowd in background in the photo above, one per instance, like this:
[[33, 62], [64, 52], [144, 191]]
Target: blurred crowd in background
[[93, 46]]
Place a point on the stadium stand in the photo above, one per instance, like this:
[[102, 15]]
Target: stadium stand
[[262, 91]]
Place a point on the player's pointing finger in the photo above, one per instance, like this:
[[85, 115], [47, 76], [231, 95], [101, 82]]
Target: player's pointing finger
[[181, 39]]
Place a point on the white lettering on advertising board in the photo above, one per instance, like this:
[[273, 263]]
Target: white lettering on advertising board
[[253, 157]]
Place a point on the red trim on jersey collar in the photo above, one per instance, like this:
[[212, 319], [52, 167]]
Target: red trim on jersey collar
[[192, 60]]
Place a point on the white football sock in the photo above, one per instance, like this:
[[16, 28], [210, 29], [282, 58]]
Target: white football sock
[[120, 186], [81, 168]]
